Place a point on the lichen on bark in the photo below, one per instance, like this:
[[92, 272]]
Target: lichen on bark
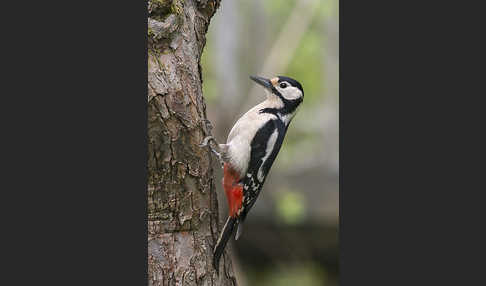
[[183, 220]]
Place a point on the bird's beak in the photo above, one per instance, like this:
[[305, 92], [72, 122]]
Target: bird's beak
[[262, 81]]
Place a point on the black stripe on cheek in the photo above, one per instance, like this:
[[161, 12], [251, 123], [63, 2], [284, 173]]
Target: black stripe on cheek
[[289, 107]]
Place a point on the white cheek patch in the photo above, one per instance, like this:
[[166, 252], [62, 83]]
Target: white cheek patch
[[290, 93], [268, 151]]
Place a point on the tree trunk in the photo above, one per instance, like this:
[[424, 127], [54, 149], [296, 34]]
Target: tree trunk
[[183, 221]]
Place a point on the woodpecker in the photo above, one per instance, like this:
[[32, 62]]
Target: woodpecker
[[251, 148]]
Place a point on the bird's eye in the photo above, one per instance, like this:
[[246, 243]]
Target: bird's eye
[[283, 85]]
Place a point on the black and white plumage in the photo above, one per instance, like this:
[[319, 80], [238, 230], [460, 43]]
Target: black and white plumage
[[251, 148]]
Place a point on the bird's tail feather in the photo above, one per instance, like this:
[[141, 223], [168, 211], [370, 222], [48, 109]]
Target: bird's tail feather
[[225, 235]]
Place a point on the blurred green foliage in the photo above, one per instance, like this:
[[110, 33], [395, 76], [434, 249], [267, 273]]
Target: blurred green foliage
[[302, 275], [307, 64], [291, 206]]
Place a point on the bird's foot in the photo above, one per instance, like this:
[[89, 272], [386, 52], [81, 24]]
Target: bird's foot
[[205, 143]]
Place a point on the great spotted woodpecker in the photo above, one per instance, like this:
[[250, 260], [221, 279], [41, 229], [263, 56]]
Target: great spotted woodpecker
[[251, 148]]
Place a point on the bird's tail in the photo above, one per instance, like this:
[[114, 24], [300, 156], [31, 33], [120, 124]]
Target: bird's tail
[[225, 235]]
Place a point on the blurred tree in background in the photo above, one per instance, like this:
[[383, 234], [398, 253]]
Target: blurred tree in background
[[291, 236]]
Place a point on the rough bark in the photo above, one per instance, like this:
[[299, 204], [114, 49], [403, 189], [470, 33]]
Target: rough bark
[[183, 220]]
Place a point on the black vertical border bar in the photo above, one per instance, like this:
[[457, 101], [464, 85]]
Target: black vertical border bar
[[75, 191], [411, 146]]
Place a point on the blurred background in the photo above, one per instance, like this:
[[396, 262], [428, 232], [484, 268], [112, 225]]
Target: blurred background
[[291, 235]]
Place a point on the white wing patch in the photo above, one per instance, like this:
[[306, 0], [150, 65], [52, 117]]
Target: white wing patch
[[268, 151]]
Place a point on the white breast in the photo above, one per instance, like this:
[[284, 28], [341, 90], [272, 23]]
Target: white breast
[[241, 135]]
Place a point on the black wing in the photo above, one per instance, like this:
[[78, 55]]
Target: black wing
[[252, 183]]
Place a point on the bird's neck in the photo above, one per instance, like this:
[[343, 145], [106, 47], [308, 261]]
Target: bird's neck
[[278, 109]]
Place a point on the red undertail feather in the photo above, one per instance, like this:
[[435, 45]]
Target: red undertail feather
[[233, 190]]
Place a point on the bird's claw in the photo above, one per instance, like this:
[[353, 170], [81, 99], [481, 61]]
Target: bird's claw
[[205, 143]]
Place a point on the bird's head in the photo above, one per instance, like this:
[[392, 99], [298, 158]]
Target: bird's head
[[285, 90]]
